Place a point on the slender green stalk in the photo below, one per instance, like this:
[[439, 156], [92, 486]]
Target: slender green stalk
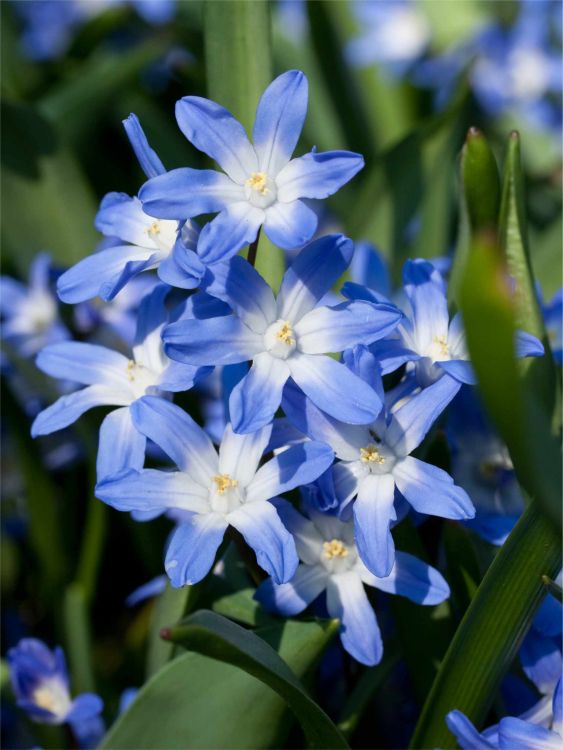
[[492, 629]]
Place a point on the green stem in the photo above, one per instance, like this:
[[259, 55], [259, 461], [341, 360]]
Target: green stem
[[492, 629]]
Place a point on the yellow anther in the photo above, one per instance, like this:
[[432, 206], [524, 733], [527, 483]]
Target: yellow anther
[[334, 548], [44, 698], [258, 181], [224, 482], [285, 334], [131, 367], [442, 345], [154, 228], [370, 455]]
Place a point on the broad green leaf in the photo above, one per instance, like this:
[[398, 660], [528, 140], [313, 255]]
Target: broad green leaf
[[480, 181], [46, 202], [242, 607], [492, 629], [196, 701], [238, 60]]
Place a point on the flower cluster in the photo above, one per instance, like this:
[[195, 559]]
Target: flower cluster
[[350, 436]]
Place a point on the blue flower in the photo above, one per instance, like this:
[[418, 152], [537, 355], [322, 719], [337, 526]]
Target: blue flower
[[217, 490], [112, 379], [553, 317], [135, 242], [330, 563], [287, 337], [540, 654], [261, 184], [374, 460], [30, 317], [395, 34], [540, 728], [482, 466], [40, 682], [433, 345]]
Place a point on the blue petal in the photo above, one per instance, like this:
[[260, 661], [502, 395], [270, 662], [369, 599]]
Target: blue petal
[[425, 289], [192, 549], [182, 268], [123, 217], [548, 617], [515, 734], [236, 226], [333, 329], [263, 530], [410, 424], [359, 631], [431, 490], [374, 512], [317, 175], [279, 120], [88, 364], [84, 706], [291, 598], [239, 455], [178, 435], [178, 377], [148, 590], [291, 468], [150, 490], [369, 268], [312, 274], [528, 345], [121, 446], [541, 661], [147, 157], [104, 273], [460, 370], [213, 130], [256, 398], [392, 354], [215, 341], [352, 290], [290, 225], [334, 389], [185, 193], [465, 733], [240, 285], [410, 577], [68, 409]]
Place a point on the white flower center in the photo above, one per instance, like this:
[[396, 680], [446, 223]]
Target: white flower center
[[260, 190], [438, 351], [377, 457], [225, 494], [404, 35], [140, 378], [162, 233], [37, 312], [279, 339], [529, 73], [52, 696]]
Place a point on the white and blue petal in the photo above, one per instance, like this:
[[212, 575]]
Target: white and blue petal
[[289, 469], [431, 490], [425, 289], [515, 734], [263, 530], [317, 267], [191, 552], [466, 734], [317, 175], [333, 329], [334, 389], [88, 364], [178, 435], [121, 446], [123, 217], [291, 598], [374, 512], [236, 226], [213, 130], [279, 120], [256, 398], [239, 455], [68, 409], [410, 577], [184, 193], [214, 341], [290, 225], [359, 631]]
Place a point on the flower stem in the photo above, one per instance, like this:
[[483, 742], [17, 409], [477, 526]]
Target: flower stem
[[253, 249]]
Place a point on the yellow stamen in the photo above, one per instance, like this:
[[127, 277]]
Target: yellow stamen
[[43, 698], [154, 228], [131, 367], [224, 482], [285, 334], [334, 548], [442, 344], [258, 181], [370, 455]]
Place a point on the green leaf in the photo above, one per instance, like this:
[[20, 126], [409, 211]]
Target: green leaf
[[196, 700], [492, 630], [242, 607], [46, 202], [170, 606], [238, 61], [480, 180], [77, 632]]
